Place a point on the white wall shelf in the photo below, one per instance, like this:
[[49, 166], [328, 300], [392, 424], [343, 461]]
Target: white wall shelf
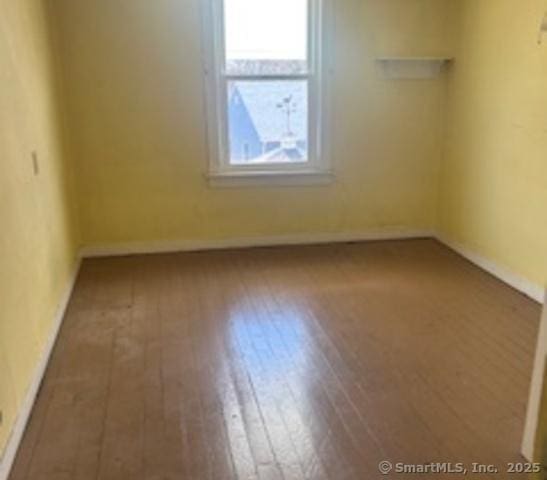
[[412, 67]]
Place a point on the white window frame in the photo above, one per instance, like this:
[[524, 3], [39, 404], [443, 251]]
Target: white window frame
[[317, 170]]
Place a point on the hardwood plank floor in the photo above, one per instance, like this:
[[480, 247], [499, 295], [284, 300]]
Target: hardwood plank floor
[[283, 364]]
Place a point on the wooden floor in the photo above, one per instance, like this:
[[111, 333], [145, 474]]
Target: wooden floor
[[288, 363]]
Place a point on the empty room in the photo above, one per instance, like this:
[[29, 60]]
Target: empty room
[[273, 239]]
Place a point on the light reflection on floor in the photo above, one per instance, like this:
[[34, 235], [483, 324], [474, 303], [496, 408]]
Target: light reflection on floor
[[272, 348]]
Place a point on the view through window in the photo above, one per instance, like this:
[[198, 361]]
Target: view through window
[[267, 81]]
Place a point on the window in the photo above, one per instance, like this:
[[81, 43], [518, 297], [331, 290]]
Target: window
[[267, 93]]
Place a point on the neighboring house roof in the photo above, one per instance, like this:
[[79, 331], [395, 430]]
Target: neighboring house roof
[[262, 104]]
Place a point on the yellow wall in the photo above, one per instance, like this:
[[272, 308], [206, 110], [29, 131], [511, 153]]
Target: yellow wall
[[135, 97], [494, 183], [37, 240]]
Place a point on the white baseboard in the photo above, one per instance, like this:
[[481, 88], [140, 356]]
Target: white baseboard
[[248, 242], [516, 281], [18, 430], [534, 291]]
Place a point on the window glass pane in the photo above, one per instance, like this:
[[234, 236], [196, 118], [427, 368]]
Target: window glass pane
[[268, 122], [266, 36]]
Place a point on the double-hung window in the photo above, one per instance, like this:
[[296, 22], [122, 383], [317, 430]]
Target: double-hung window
[[267, 90]]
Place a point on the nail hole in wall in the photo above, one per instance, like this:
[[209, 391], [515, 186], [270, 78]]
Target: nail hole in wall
[[542, 29], [35, 165]]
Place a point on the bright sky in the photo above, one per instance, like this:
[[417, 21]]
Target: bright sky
[[266, 29]]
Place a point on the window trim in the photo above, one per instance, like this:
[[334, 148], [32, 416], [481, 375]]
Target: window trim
[[317, 170]]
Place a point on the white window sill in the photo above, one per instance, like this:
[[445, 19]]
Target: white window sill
[[265, 178]]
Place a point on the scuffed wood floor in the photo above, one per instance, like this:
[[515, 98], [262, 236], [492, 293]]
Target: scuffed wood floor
[[285, 363]]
